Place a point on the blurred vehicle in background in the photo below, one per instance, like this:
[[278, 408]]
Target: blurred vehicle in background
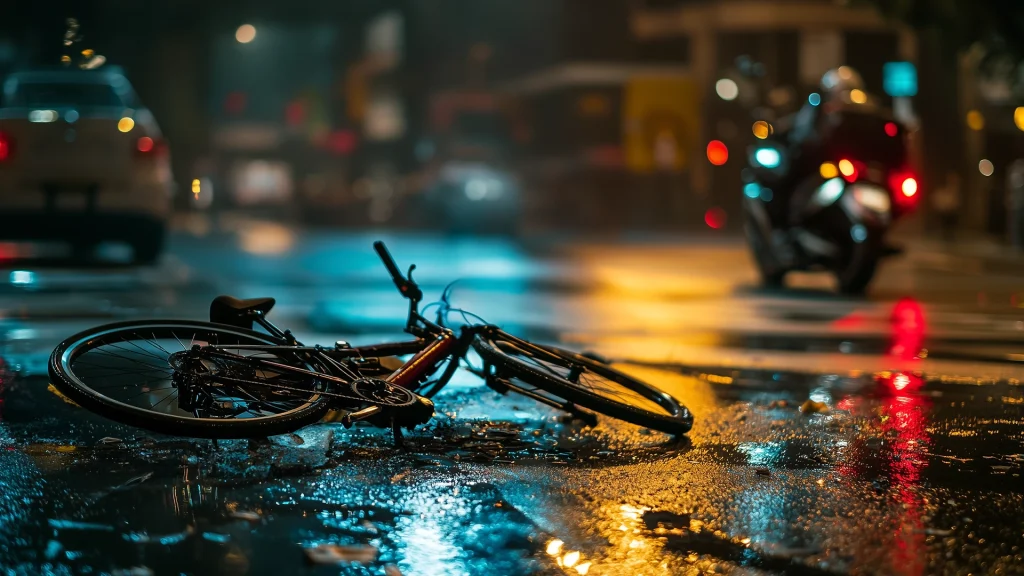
[[81, 160], [469, 186], [825, 200]]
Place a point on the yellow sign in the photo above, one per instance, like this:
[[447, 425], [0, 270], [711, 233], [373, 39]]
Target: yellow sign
[[357, 90], [662, 122]]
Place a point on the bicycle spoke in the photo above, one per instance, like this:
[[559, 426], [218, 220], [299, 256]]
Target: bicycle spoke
[[135, 367]]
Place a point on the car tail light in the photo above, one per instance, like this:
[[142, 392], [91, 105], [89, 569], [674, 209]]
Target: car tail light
[[149, 147], [6, 146]]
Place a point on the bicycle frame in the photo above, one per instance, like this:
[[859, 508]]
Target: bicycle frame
[[433, 345]]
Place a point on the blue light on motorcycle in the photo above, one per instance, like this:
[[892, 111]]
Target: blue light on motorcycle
[[752, 190], [768, 157]]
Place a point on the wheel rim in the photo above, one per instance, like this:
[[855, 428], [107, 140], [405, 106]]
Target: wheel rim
[[134, 369], [589, 380]]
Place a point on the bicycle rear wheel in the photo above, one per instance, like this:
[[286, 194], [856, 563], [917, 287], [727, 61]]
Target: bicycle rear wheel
[[560, 374], [132, 372]]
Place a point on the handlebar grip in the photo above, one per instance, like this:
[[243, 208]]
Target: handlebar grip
[[388, 261]]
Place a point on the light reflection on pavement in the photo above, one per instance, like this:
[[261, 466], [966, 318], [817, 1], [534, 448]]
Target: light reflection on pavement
[[910, 466]]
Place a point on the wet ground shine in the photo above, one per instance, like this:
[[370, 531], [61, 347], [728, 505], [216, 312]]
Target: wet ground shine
[[831, 436]]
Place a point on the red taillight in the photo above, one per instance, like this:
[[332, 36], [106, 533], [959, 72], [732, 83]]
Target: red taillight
[[145, 144], [6, 146], [891, 129]]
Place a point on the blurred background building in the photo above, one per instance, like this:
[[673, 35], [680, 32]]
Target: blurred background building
[[578, 114]]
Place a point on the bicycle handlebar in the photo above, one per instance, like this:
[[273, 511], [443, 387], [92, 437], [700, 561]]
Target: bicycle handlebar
[[406, 286], [389, 262]]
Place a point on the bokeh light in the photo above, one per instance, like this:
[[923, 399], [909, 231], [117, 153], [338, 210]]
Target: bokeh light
[[814, 99], [762, 129], [715, 218], [909, 187], [727, 89], [718, 152], [246, 33], [1018, 117], [891, 129], [858, 96], [975, 120], [828, 170], [125, 124], [986, 167], [847, 168]]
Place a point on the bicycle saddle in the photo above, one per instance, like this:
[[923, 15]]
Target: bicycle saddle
[[237, 311]]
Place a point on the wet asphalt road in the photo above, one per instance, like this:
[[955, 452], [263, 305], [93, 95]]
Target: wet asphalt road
[[908, 462]]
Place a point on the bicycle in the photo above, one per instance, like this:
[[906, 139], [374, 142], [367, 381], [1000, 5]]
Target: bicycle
[[223, 379]]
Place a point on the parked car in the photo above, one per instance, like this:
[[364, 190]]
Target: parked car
[[83, 161]]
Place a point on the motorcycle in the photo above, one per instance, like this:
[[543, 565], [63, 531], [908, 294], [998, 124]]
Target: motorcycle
[[845, 191]]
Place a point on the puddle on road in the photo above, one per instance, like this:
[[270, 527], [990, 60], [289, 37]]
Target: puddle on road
[[879, 479]]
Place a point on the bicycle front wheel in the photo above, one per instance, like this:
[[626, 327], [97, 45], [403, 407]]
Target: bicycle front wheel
[[141, 373], [555, 373]]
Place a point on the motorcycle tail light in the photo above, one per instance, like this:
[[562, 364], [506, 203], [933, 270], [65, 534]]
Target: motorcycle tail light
[[909, 187], [848, 169], [905, 188]]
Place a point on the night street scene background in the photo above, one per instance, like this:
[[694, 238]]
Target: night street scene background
[[620, 178]]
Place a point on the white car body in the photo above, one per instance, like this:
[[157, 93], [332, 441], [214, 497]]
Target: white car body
[[81, 160]]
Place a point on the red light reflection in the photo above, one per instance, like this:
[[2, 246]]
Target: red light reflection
[[908, 327], [904, 420]]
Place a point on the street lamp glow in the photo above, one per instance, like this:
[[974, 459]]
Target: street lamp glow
[[727, 89], [1018, 117], [246, 33]]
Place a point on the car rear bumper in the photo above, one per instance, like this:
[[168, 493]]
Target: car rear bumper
[[145, 199], [78, 227]]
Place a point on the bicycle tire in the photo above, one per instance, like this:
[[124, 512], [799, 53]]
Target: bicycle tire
[[528, 363], [63, 376]]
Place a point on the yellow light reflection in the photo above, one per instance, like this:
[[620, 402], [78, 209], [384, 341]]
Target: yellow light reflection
[[828, 170], [196, 187], [555, 547], [1018, 117], [125, 124], [583, 568], [570, 559], [858, 96], [265, 238]]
